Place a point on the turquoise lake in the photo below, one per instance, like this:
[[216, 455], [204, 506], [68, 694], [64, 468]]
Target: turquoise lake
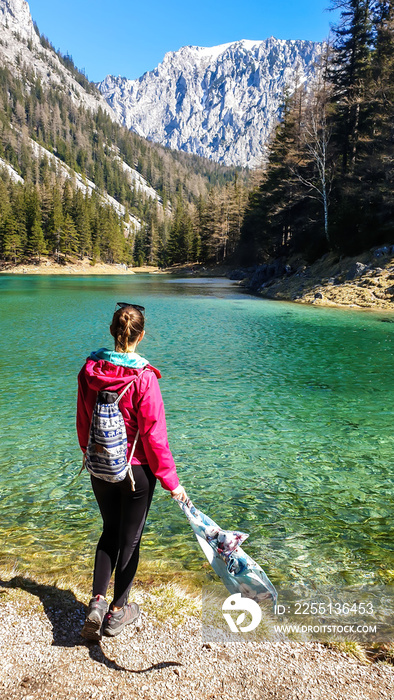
[[280, 418]]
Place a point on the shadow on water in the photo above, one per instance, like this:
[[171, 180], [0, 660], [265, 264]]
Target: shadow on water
[[66, 615]]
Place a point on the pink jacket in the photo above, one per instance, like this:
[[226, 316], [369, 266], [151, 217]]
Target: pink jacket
[[142, 408]]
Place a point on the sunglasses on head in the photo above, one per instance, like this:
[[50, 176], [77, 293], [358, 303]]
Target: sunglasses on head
[[123, 304]]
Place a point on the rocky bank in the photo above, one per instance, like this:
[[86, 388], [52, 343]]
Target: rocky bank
[[362, 282]]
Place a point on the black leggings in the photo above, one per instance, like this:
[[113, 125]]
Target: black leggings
[[124, 513]]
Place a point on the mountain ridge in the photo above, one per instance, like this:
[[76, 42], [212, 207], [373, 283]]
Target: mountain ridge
[[220, 102]]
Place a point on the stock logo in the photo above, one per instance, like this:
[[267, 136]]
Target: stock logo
[[237, 603]]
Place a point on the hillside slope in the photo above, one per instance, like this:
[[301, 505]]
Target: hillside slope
[[55, 128]]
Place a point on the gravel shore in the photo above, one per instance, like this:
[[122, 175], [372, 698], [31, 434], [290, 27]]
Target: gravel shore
[[76, 267], [44, 657]]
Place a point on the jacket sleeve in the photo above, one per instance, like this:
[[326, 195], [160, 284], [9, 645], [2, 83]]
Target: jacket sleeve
[[153, 431], [83, 417]]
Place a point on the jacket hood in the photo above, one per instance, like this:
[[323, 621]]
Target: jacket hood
[[125, 359], [112, 371]]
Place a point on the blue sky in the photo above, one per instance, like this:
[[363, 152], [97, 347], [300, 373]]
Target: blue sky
[[127, 38]]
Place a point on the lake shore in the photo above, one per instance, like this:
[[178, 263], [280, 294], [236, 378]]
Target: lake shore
[[75, 267], [362, 282], [43, 655], [49, 266]]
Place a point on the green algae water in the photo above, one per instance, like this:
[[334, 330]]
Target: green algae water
[[280, 419]]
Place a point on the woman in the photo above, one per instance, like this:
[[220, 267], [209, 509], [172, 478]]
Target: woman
[[123, 509]]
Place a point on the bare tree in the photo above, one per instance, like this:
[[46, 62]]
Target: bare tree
[[316, 168]]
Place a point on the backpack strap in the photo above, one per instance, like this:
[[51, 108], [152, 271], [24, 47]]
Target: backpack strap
[[128, 386], [137, 434], [130, 458]]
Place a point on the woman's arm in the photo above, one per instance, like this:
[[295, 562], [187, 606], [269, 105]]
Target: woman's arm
[[83, 417], [153, 431]]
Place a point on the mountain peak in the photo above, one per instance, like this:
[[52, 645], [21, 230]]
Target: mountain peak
[[15, 15], [213, 52]]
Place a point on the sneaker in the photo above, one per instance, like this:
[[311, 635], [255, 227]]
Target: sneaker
[[115, 621], [97, 608]]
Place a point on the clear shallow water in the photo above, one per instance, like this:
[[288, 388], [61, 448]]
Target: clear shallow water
[[279, 416]]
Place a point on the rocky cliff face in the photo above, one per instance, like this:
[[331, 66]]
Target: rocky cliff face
[[220, 102], [15, 17], [20, 46]]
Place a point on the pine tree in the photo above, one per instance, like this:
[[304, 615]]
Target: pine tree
[[36, 243], [151, 235], [382, 85], [139, 249], [11, 240], [19, 211], [376, 172], [68, 237], [67, 198], [237, 204], [56, 222], [361, 54], [271, 212], [185, 238], [81, 219], [195, 249], [350, 76], [180, 236], [202, 229], [114, 240], [162, 235]]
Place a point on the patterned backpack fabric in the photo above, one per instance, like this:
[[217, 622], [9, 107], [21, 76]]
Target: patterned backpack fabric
[[106, 453]]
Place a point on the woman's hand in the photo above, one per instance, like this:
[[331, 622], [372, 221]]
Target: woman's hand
[[179, 493]]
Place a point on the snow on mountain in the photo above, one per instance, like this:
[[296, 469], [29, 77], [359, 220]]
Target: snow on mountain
[[219, 102], [82, 183], [15, 177], [139, 182]]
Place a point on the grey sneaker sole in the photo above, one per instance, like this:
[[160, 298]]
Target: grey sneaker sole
[[108, 632], [92, 626], [91, 630]]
